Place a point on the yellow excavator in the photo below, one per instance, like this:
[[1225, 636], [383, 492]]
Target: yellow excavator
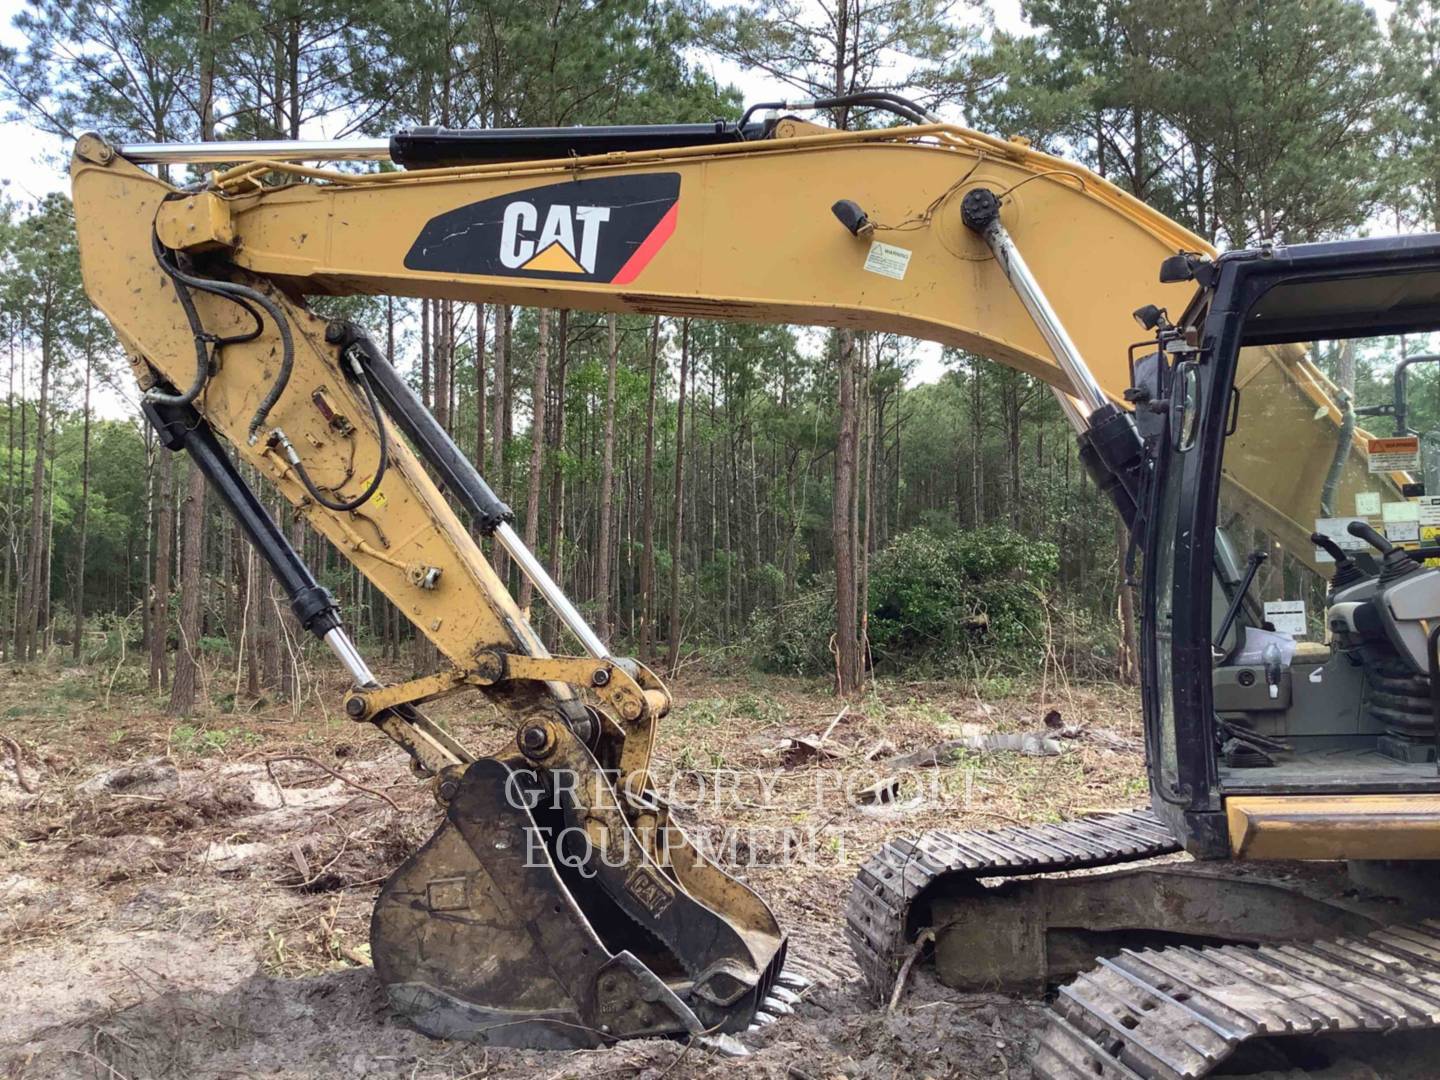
[[1289, 623]]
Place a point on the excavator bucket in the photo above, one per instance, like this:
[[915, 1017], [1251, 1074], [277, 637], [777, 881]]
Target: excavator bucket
[[508, 927]]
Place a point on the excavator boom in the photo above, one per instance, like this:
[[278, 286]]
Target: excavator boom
[[737, 230]]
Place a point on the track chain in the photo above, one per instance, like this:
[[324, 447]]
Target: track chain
[[1168, 1014], [878, 921]]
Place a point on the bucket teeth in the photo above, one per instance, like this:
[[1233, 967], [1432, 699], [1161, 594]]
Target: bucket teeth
[[723, 1045], [779, 993], [791, 982], [775, 1007]]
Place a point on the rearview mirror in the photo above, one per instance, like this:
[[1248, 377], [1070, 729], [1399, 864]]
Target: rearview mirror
[[1185, 405]]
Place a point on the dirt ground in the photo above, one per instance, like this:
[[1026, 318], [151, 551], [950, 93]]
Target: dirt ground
[[191, 899]]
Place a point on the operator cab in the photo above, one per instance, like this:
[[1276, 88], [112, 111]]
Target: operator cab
[[1293, 551]]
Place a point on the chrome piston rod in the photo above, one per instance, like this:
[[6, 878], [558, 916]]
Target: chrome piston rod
[[554, 596], [1071, 408], [345, 651], [980, 211], [256, 150]]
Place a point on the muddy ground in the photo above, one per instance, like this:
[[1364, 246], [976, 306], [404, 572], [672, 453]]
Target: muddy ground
[[191, 899]]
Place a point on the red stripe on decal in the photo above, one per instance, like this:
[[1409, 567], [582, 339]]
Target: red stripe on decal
[[646, 251]]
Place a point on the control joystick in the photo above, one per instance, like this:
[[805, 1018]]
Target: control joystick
[[1396, 561]]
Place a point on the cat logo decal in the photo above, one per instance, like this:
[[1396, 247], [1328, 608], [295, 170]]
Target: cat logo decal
[[602, 230]]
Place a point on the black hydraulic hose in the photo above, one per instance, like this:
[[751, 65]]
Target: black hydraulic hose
[[345, 507], [197, 330], [1338, 458], [245, 297], [899, 103], [894, 103], [233, 291], [431, 441]]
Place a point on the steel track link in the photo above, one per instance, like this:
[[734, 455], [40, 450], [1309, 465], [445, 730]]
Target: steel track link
[[1178, 1013], [879, 916]]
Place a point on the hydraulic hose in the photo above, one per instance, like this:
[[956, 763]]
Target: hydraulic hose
[[245, 297], [345, 506], [182, 283], [1345, 437], [882, 99]]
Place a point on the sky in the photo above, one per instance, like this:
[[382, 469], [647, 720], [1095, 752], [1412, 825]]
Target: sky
[[34, 163]]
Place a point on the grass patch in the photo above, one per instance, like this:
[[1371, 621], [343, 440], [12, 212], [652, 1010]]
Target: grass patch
[[200, 741]]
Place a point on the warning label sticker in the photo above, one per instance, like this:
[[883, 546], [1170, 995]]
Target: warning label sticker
[[1398, 454], [1287, 616], [1402, 532], [888, 260]]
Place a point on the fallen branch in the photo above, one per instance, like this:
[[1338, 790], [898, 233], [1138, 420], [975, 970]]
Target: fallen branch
[[25, 785], [837, 719], [343, 779], [270, 772], [942, 753], [926, 937], [882, 791]]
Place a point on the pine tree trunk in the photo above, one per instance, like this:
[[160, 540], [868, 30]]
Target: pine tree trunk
[[977, 445], [537, 451], [677, 545], [426, 398], [1345, 368], [498, 427], [480, 387], [1129, 665], [866, 528], [647, 507], [607, 486], [192, 595], [10, 583], [47, 572], [38, 583], [243, 559], [267, 618], [160, 587], [1012, 445], [848, 672], [444, 328], [84, 523], [556, 532], [147, 627], [292, 635]]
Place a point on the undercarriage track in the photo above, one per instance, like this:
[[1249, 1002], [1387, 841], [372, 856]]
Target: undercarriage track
[[1162, 1013], [1181, 1012], [887, 906]]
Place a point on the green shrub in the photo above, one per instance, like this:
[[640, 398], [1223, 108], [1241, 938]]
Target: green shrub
[[793, 637], [938, 600]]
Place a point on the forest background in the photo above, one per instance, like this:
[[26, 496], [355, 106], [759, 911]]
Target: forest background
[[803, 501]]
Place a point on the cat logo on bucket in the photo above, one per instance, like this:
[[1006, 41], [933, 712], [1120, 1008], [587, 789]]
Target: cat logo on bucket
[[603, 230]]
